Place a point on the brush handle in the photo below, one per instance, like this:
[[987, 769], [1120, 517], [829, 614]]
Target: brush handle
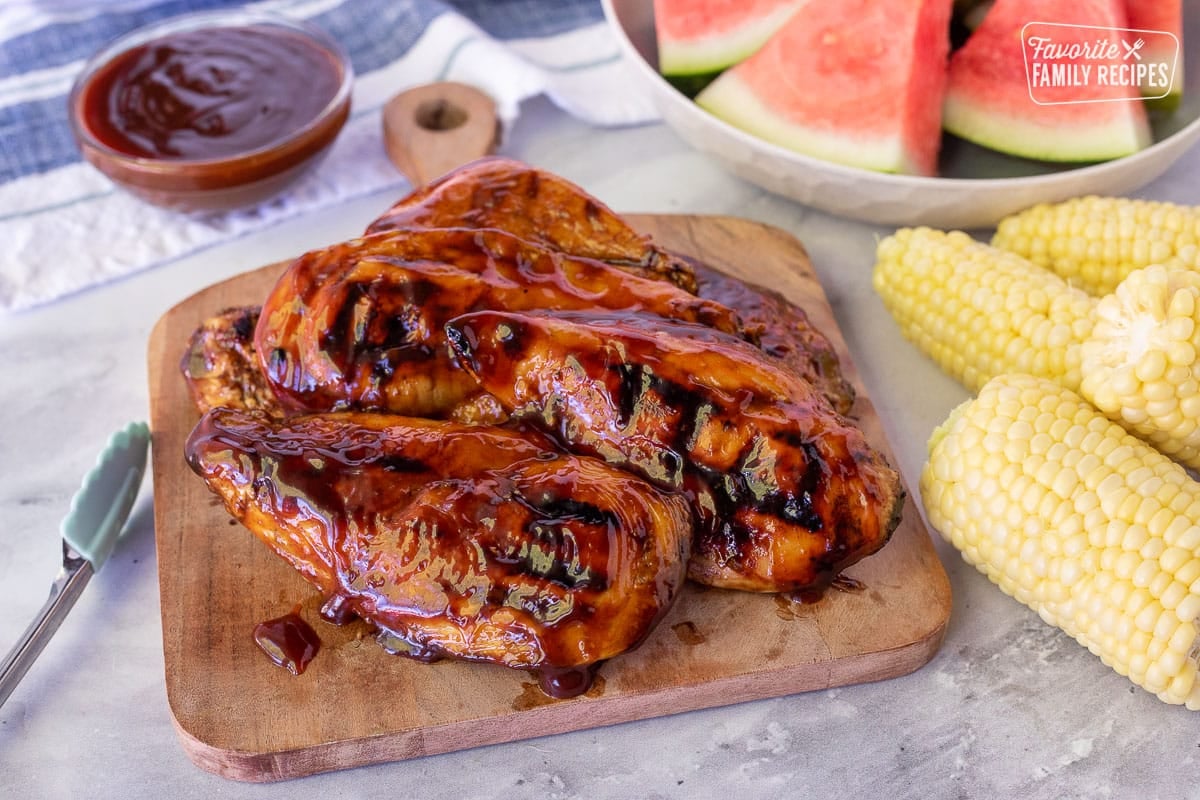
[[434, 128], [74, 575]]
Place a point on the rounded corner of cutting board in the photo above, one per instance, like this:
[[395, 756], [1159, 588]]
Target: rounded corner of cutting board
[[927, 646], [265, 765], [233, 764]]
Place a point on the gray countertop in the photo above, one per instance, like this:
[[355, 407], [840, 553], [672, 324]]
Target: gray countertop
[[1009, 707]]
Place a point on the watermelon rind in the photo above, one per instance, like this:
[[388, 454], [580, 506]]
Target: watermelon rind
[[1158, 17], [691, 85], [1121, 135], [1167, 104], [709, 55], [1154, 97], [972, 18], [730, 99]]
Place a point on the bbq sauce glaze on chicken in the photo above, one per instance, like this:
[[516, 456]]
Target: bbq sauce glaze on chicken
[[786, 492], [470, 542], [538, 206], [782, 330], [359, 325]]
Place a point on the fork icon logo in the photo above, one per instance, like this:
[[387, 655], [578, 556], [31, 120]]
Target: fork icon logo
[[1131, 50]]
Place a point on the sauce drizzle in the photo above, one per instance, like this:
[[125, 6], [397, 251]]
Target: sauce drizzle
[[288, 641], [786, 602], [564, 682]]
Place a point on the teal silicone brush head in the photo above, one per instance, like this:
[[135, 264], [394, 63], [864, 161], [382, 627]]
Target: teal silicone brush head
[[100, 507]]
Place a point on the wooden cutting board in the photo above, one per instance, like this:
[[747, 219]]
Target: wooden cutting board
[[240, 716]]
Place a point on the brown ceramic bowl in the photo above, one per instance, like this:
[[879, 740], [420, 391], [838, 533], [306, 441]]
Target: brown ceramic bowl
[[219, 182]]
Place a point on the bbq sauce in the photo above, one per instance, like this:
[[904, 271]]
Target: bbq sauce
[[564, 682], [815, 594], [288, 641], [209, 93], [336, 610]]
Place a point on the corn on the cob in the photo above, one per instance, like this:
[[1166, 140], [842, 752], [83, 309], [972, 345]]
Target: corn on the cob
[[1141, 365], [1071, 515], [978, 311], [1094, 242]]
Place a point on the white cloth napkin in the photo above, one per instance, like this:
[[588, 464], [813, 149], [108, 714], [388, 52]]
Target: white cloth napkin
[[69, 228]]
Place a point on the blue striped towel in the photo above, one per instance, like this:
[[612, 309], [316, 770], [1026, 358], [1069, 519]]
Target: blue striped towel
[[511, 49]]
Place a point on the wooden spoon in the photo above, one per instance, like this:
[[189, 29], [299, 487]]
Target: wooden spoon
[[432, 129]]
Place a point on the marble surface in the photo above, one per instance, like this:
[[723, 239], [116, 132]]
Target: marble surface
[[1008, 707]]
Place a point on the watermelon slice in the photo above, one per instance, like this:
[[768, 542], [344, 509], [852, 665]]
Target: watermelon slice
[[857, 82], [990, 100], [699, 38], [1165, 16]]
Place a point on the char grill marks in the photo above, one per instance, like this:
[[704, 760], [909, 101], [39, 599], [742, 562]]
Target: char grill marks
[[786, 492], [539, 207], [470, 542], [360, 325]]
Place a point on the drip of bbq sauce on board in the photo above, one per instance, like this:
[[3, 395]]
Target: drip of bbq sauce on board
[[288, 641], [210, 93], [841, 583], [786, 602], [563, 682]]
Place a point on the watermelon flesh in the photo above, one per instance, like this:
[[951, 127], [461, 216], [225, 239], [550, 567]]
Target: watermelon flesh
[[1166, 16], [703, 37], [856, 82], [988, 94]]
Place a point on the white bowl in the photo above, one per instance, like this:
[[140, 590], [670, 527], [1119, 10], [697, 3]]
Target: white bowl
[[976, 187]]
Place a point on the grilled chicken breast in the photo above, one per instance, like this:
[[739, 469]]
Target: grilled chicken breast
[[786, 492], [221, 371], [538, 206], [359, 325], [469, 542], [220, 365], [532, 204]]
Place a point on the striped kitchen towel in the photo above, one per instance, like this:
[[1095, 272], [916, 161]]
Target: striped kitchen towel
[[65, 226]]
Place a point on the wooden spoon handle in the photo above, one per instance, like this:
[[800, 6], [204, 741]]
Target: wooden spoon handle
[[434, 128]]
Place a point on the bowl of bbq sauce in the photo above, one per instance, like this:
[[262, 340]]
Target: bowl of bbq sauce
[[211, 111]]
